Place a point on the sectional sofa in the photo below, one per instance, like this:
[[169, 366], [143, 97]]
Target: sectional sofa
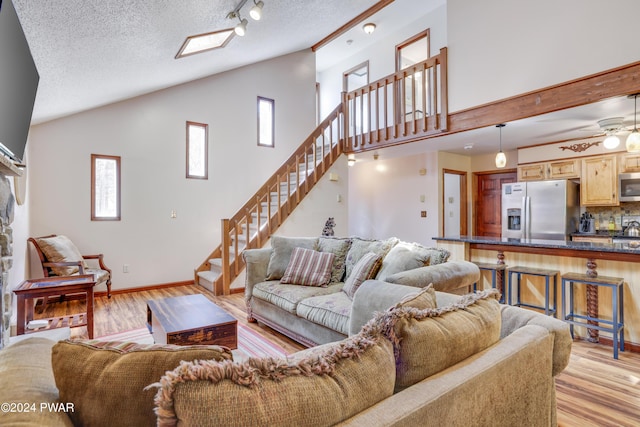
[[314, 315]]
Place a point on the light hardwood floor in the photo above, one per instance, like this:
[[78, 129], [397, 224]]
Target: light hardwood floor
[[594, 390]]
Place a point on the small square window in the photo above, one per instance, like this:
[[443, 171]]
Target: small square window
[[266, 121]]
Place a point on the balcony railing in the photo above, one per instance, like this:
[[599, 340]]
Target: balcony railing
[[403, 106]]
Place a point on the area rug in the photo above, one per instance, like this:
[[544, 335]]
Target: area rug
[[251, 343]]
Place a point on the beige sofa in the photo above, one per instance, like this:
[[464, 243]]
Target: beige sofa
[[494, 365], [315, 315]]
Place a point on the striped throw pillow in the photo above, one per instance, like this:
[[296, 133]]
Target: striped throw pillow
[[308, 268], [366, 268]]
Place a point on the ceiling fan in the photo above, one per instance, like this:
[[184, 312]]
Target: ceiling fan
[[611, 128]]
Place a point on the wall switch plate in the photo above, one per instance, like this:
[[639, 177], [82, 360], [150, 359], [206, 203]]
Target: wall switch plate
[[174, 214], [333, 177], [125, 268]]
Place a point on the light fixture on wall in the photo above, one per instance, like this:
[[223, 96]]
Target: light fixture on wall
[[501, 159], [351, 159], [633, 140], [256, 10], [369, 27]]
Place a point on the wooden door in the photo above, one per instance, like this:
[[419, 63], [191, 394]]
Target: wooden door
[[488, 201]]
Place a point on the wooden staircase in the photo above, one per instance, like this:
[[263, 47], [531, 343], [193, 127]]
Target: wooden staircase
[[406, 106], [267, 209]]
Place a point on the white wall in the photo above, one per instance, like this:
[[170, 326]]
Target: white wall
[[501, 48], [148, 132], [384, 198]]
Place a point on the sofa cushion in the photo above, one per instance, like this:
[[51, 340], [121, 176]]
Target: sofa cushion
[[430, 340], [325, 387], [308, 268], [426, 298], [106, 382], [281, 253], [338, 247], [332, 311], [61, 249], [287, 297], [366, 268], [360, 247], [404, 256], [26, 379]]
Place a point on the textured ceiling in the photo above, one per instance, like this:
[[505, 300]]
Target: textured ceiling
[[94, 52]]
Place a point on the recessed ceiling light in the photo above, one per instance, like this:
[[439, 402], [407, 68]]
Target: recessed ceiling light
[[204, 42]]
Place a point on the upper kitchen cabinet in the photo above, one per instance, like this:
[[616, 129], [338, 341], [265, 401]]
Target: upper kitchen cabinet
[[533, 172], [630, 162], [560, 169], [599, 181]]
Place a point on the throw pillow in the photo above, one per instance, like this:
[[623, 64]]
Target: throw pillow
[[402, 257], [61, 249], [106, 384], [365, 269], [338, 247], [360, 247], [308, 268], [323, 387], [430, 340], [281, 253]]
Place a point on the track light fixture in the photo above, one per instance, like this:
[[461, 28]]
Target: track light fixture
[[256, 10], [255, 13], [501, 158]]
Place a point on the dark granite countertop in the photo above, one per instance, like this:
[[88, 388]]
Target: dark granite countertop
[[548, 244]]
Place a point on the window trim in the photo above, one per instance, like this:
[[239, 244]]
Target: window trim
[[206, 150], [117, 159], [345, 75], [273, 121], [426, 33]]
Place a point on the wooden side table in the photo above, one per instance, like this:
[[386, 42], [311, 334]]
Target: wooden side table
[[31, 289]]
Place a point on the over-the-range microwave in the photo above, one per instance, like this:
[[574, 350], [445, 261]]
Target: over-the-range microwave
[[629, 187]]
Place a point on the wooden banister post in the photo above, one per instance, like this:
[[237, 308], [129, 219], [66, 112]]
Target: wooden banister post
[[226, 271], [443, 124]]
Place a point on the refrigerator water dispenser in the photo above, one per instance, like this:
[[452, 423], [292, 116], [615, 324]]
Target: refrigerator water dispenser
[[513, 219]]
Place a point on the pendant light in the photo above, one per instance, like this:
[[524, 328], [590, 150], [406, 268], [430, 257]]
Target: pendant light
[[501, 159], [633, 140]]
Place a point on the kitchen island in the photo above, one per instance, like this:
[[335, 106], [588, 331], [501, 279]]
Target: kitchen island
[[605, 259]]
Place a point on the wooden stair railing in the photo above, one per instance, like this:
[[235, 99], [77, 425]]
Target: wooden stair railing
[[267, 209], [376, 117]]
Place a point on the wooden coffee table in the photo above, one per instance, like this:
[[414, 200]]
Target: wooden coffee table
[[190, 320]]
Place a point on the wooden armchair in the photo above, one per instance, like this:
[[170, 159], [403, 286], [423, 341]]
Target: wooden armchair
[[60, 257]]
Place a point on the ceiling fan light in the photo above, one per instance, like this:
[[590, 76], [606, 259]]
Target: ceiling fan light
[[633, 141], [256, 11], [611, 142], [241, 28], [501, 160]]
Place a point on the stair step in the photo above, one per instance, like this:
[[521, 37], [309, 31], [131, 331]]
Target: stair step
[[206, 279]]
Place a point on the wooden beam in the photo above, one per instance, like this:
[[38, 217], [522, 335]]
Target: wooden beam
[[352, 23]]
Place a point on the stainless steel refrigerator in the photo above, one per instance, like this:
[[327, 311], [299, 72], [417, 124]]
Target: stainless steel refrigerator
[[540, 209]]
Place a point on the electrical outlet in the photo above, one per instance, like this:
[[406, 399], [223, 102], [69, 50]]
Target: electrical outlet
[[125, 268]]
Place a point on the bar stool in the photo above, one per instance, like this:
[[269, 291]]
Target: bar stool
[[519, 271], [493, 268], [616, 324]]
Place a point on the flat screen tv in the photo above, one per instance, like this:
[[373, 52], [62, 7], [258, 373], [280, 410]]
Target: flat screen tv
[[18, 84]]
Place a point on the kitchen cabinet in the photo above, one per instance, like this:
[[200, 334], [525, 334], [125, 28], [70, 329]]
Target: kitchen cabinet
[[564, 169], [559, 169], [630, 163], [532, 172], [599, 181]]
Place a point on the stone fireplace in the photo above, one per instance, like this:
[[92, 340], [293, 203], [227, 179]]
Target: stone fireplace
[[7, 204]]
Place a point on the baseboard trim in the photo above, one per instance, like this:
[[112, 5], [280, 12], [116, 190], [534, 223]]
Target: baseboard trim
[[144, 288], [237, 290], [628, 346]]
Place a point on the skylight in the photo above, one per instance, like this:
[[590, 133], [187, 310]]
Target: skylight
[[204, 42]]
